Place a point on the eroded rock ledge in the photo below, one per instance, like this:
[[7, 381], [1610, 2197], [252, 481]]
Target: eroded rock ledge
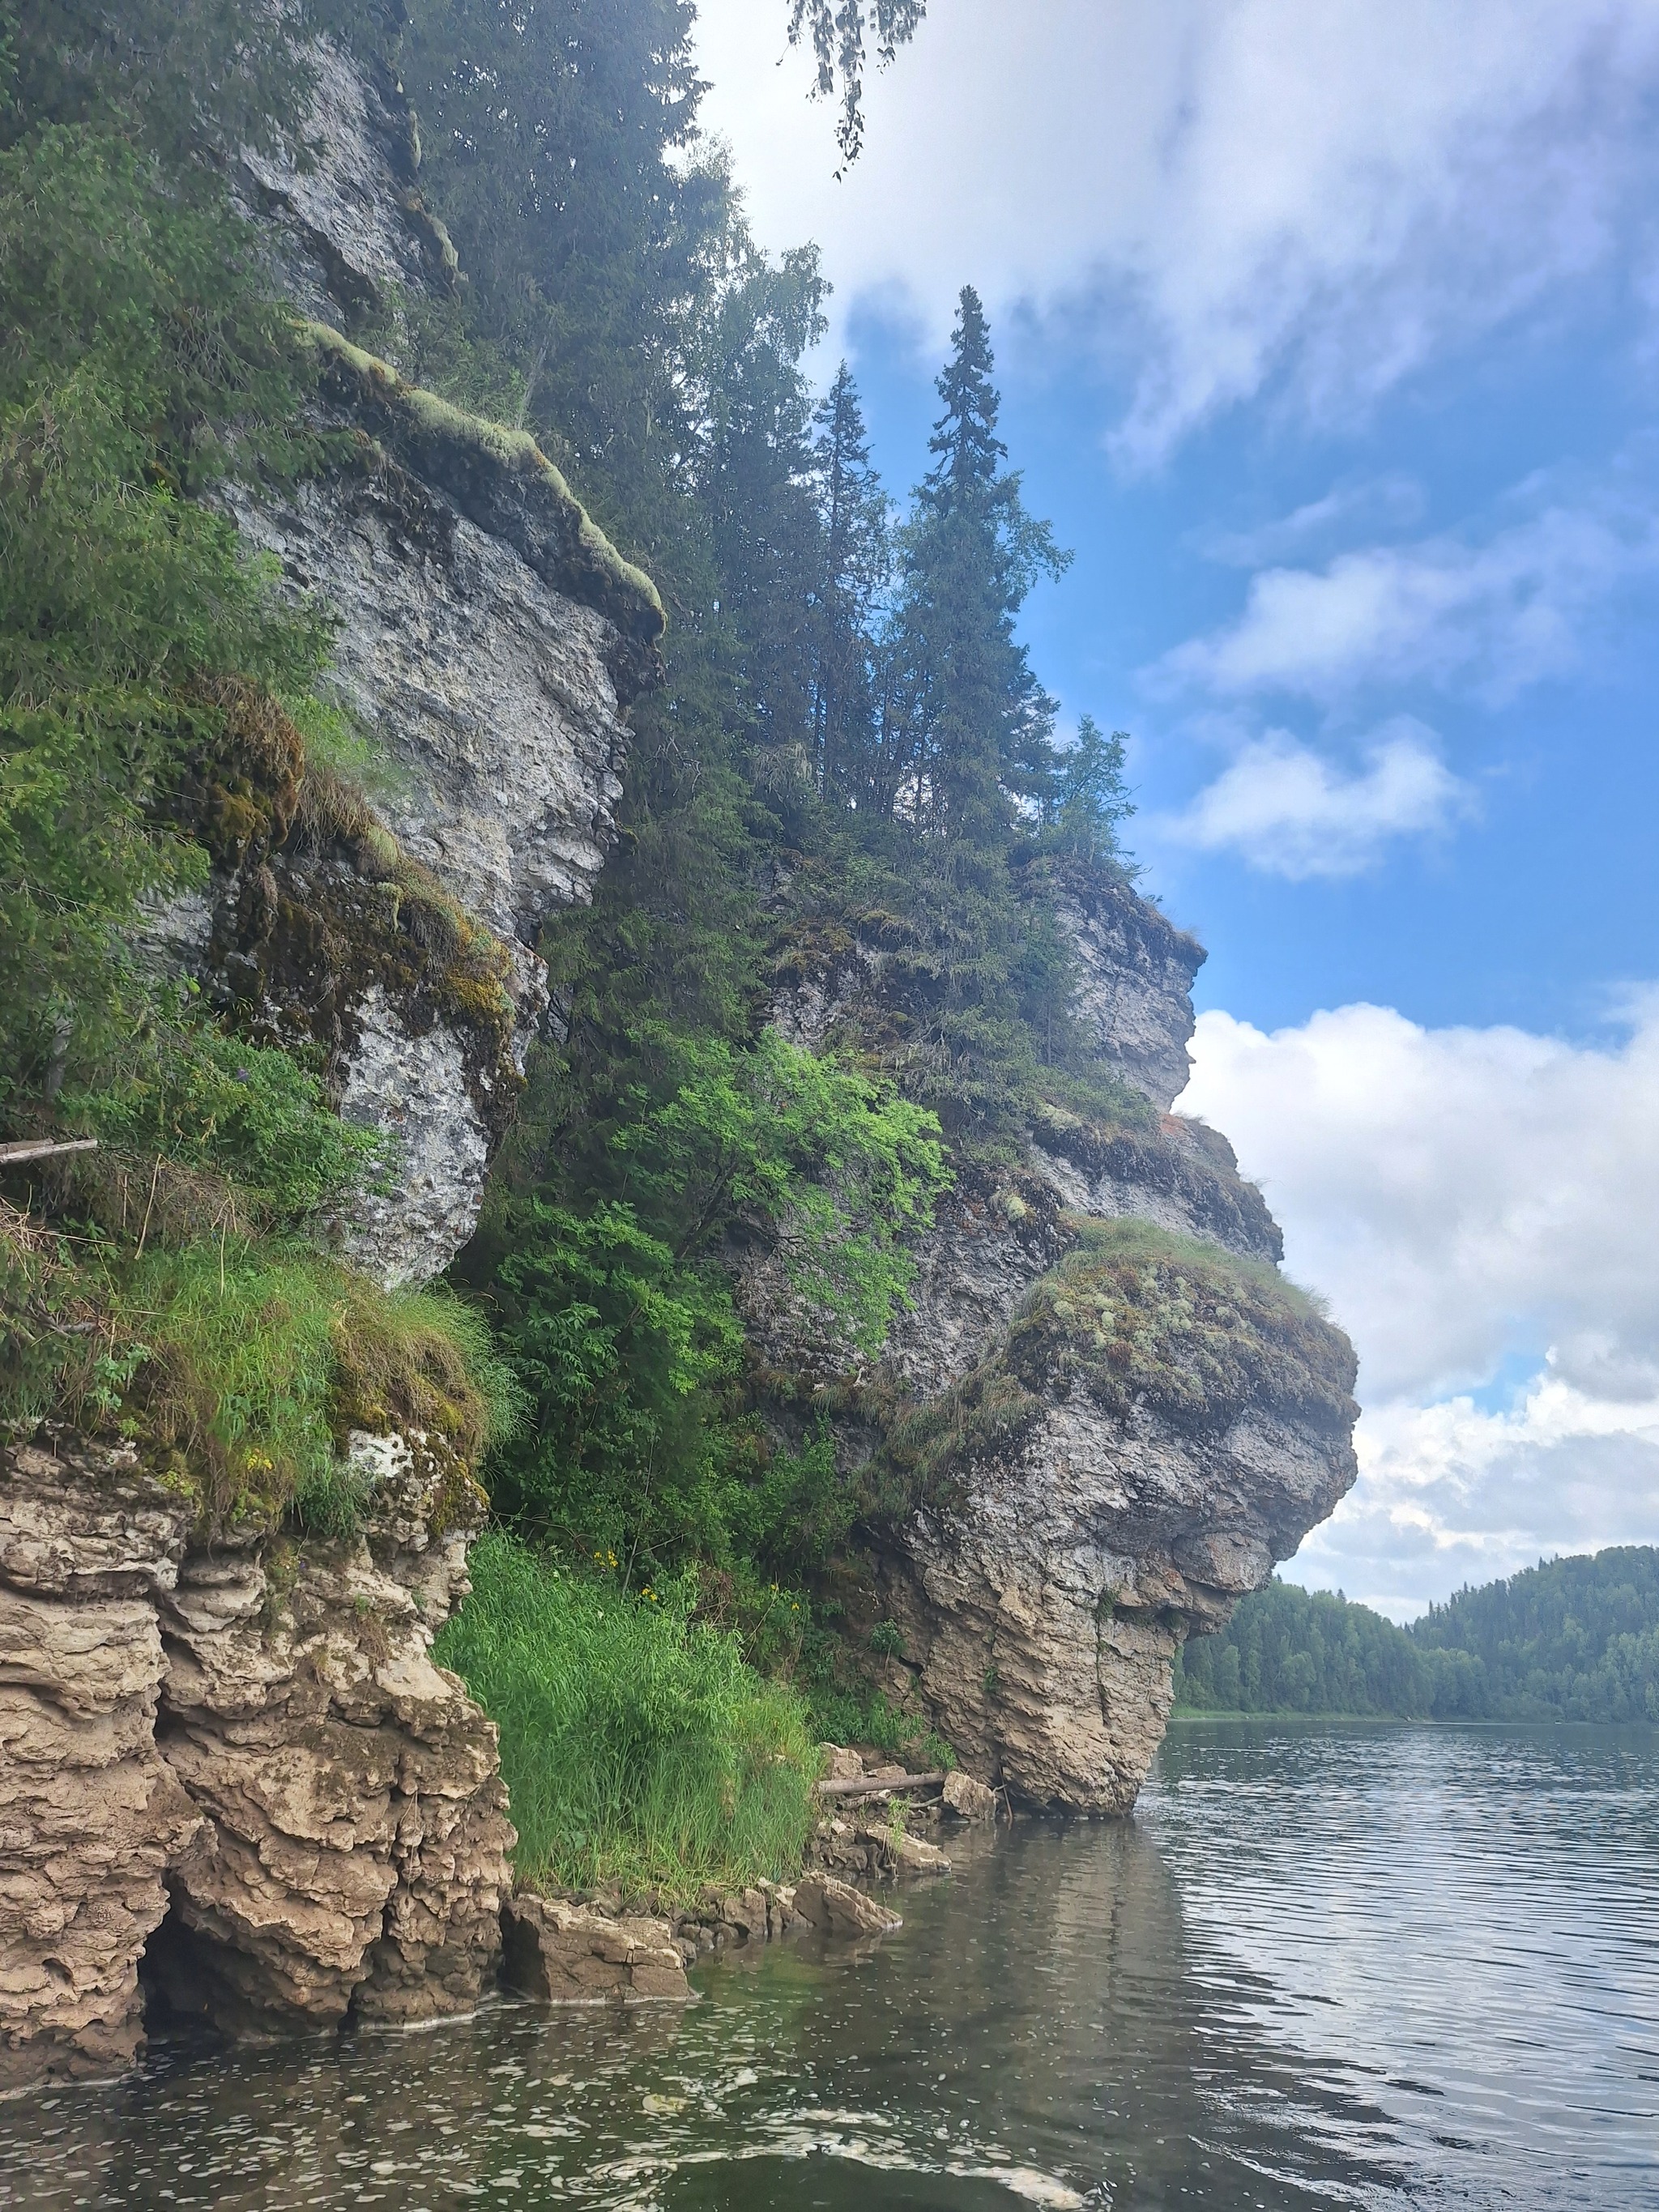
[[234, 1760]]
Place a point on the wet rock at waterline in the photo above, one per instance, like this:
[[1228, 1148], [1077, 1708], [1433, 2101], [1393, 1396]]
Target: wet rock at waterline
[[565, 1954], [834, 1907], [235, 1763]]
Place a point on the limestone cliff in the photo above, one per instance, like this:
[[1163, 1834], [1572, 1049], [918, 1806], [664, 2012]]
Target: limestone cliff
[[1107, 1415], [489, 643], [225, 1751]]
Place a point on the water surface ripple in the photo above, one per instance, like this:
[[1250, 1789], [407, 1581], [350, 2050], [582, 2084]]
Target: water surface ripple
[[1323, 1966]]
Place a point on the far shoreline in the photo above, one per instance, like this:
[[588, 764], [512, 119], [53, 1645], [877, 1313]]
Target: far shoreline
[[1414, 1720]]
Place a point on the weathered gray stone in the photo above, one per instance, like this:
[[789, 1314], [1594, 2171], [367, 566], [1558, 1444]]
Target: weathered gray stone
[[414, 1088], [1041, 1595], [565, 1954], [1042, 1611], [968, 1799], [834, 1907], [349, 230], [1137, 970], [490, 689]]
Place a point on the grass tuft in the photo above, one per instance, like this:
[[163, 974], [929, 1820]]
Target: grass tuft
[[642, 1751]]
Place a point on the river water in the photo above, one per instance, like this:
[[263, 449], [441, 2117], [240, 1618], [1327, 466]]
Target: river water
[[1321, 1967]]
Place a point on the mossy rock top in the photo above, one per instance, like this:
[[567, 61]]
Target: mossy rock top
[[502, 480], [1135, 1315]]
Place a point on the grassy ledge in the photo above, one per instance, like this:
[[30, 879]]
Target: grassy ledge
[[488, 465]]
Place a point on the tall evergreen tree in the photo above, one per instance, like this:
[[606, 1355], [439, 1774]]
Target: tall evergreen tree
[[1088, 797], [979, 727], [983, 722], [854, 564]]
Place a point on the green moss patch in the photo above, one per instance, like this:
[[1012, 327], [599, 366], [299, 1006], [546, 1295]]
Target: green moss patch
[[1135, 1313], [1133, 1316], [320, 903], [502, 478]]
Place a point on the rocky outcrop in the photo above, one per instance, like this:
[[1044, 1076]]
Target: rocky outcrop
[[836, 1908], [489, 643], [234, 1761], [1135, 972], [91, 1815], [564, 1953], [1104, 1417], [344, 219]]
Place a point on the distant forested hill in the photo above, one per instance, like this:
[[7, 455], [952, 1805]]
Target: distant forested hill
[[1571, 1639]]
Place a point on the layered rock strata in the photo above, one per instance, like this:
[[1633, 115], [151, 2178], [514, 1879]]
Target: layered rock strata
[[91, 1815], [237, 1763], [1105, 1416]]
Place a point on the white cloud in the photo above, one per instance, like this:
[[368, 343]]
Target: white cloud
[[1290, 812], [1391, 501], [1234, 189], [1468, 1200], [1488, 619]]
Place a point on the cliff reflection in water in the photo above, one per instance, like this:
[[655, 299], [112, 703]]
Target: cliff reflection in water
[[1366, 1967]]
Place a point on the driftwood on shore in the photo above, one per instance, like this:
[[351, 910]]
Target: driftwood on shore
[[878, 1786]]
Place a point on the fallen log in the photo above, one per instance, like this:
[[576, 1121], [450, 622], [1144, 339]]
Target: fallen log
[[43, 1148], [879, 1785]]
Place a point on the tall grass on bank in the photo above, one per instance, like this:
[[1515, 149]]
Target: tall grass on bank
[[640, 1749]]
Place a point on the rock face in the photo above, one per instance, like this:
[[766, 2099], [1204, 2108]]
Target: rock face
[[350, 231], [1112, 1415], [90, 1815], [490, 642], [240, 1764], [564, 1953], [1137, 970]]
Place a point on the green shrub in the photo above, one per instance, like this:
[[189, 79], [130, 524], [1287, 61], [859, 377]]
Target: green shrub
[[640, 1747]]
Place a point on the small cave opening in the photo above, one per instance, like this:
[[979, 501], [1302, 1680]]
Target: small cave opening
[[180, 1981]]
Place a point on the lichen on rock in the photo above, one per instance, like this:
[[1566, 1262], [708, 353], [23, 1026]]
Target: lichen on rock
[[1160, 1425]]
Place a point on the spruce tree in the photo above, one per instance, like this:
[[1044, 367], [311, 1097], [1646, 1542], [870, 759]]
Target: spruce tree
[[854, 563], [979, 726]]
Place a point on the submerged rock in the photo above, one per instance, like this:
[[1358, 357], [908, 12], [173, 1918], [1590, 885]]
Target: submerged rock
[[834, 1907]]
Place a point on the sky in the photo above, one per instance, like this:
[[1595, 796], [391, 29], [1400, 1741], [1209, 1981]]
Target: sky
[[1328, 340]]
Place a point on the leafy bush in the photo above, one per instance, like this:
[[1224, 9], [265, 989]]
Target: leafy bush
[[640, 1748], [619, 1315], [247, 1122], [140, 357]]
